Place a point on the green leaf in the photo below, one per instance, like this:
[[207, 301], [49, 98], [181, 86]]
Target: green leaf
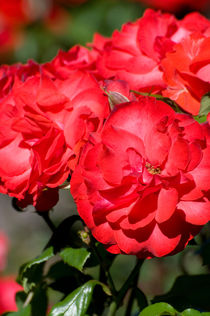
[[190, 312], [193, 312], [23, 312], [188, 291], [75, 257], [159, 309], [200, 119], [31, 272], [66, 278], [205, 104], [76, 303], [66, 235], [46, 255]]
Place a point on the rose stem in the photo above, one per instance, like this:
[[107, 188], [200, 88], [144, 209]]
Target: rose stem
[[46, 218], [133, 277], [106, 271]]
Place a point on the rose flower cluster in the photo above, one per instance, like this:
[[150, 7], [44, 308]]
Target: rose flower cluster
[[118, 119]]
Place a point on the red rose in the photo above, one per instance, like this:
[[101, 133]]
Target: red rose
[[8, 75], [8, 290], [65, 63], [187, 72], [142, 184], [160, 54], [133, 53], [44, 123]]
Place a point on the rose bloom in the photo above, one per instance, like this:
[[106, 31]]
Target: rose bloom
[[187, 72], [8, 290], [142, 184], [151, 53], [8, 75], [44, 123], [135, 54], [76, 58], [176, 5]]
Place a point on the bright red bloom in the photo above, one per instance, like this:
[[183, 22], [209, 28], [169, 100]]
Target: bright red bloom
[[44, 123], [142, 184], [158, 53], [65, 63], [133, 53], [8, 290], [187, 72], [8, 75]]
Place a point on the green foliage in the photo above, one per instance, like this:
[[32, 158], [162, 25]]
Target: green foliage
[[205, 104], [26, 311], [31, 273], [164, 309], [159, 309], [76, 304], [75, 257]]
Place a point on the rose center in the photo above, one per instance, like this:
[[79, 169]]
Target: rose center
[[151, 169]]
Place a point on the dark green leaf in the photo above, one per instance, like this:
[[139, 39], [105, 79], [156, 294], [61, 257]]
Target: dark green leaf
[[23, 312], [205, 104], [65, 235], [188, 291], [31, 272], [159, 309], [75, 257], [76, 304], [65, 278], [46, 255]]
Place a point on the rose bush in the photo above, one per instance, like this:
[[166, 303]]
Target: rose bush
[[142, 184]]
